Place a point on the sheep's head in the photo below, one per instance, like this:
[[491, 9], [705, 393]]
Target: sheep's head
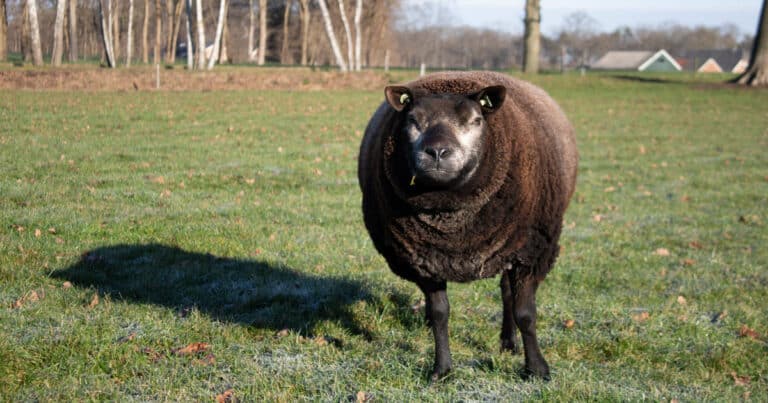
[[445, 132]]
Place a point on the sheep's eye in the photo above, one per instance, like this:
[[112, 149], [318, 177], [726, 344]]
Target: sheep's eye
[[477, 121]]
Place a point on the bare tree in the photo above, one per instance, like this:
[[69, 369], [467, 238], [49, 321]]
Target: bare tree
[[224, 52], [58, 33], [3, 32], [358, 39], [251, 28], [757, 72], [129, 39], [158, 32], [190, 48], [34, 28], [305, 16], [116, 29], [73, 45], [332, 36], [348, 33], [106, 30], [173, 24], [286, 20], [262, 32], [217, 40], [200, 35], [532, 36], [145, 34]]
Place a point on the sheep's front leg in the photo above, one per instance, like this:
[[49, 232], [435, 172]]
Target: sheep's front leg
[[525, 318], [509, 340], [438, 311]]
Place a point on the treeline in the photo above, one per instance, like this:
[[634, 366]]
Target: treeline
[[364, 33]]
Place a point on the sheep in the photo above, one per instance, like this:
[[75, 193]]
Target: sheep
[[464, 176]]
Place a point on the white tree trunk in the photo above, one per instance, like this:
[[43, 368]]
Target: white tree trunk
[[217, 41], [129, 39], [58, 33], [331, 35], [73, 45], [200, 35], [34, 27], [106, 30], [348, 33], [358, 34], [262, 32], [251, 30], [190, 47]]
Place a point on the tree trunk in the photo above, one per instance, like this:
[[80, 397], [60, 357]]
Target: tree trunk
[[145, 34], [224, 52], [332, 36], [262, 32], [190, 47], [532, 36], [169, 8], [175, 35], [73, 45], [757, 72], [251, 29], [217, 40], [200, 35], [129, 39], [158, 32], [116, 30], [286, 20], [26, 48], [358, 34], [34, 31], [106, 30], [304, 30], [3, 32], [58, 33], [348, 34]]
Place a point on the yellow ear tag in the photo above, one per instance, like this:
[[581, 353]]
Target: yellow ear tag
[[404, 98], [413, 180], [486, 102]]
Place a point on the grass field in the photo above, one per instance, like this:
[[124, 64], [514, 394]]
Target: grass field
[[179, 246]]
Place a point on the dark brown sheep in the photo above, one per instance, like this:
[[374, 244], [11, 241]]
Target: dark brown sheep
[[466, 175]]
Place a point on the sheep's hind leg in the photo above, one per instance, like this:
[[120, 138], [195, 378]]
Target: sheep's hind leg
[[438, 311], [509, 341], [525, 317]]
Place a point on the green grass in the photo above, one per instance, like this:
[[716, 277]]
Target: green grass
[[233, 219]]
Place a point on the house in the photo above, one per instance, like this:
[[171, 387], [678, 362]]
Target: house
[[634, 60], [714, 61]]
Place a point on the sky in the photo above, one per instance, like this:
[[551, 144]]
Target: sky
[[507, 15]]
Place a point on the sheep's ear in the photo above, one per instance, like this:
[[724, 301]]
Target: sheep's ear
[[491, 98], [398, 97]]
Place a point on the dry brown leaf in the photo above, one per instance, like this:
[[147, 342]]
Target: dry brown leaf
[[192, 348], [746, 331], [94, 301], [226, 396], [206, 361], [152, 354], [661, 252], [688, 262], [641, 316], [569, 323], [52, 230], [363, 397], [695, 245], [31, 296], [681, 300], [66, 285], [597, 218], [321, 341], [609, 189], [740, 380], [38, 232], [282, 333]]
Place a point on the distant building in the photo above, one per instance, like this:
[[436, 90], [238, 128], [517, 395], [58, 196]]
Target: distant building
[[714, 61], [635, 60]]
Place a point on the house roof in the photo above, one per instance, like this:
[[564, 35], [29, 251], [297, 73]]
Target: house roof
[[726, 58], [631, 59]]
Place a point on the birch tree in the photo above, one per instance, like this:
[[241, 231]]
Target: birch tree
[[331, 35], [34, 32], [532, 36], [129, 39], [262, 32], [200, 35], [217, 40], [105, 10], [58, 33], [286, 19], [348, 33], [3, 32], [757, 72], [158, 32], [358, 34], [73, 42], [145, 34], [115, 16], [251, 29], [305, 18], [190, 47]]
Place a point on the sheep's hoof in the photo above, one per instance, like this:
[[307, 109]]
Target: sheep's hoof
[[438, 376], [510, 345]]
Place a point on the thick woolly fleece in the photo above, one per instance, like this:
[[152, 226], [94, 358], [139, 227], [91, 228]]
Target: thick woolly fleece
[[507, 217]]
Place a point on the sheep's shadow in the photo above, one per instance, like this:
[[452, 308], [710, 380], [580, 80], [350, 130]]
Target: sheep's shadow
[[249, 292]]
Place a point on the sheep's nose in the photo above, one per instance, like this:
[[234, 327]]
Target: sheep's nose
[[437, 153]]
